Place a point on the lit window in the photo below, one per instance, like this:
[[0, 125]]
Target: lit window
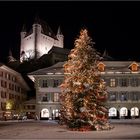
[[6, 75], [123, 112], [134, 111], [56, 97], [134, 67], [101, 67], [112, 112], [112, 82]]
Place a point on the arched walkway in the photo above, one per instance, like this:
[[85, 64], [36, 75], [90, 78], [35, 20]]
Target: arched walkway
[[123, 112], [112, 112], [134, 112], [44, 114]]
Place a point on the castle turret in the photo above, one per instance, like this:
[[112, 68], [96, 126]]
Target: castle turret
[[60, 37], [23, 32], [10, 57], [22, 35], [106, 56]]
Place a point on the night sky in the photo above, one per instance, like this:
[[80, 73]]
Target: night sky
[[114, 26]]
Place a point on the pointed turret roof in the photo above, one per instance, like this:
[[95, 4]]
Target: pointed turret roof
[[10, 57], [106, 56], [105, 53], [45, 28], [23, 28], [10, 52], [59, 31], [37, 19]]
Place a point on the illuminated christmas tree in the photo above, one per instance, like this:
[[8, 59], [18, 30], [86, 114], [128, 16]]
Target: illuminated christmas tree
[[83, 90]]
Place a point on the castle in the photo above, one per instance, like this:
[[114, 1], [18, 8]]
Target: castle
[[39, 40]]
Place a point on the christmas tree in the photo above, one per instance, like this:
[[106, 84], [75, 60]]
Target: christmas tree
[[84, 93]]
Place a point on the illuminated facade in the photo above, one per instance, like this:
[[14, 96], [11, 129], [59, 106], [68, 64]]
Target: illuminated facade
[[39, 40], [47, 81], [123, 84], [122, 80], [13, 90]]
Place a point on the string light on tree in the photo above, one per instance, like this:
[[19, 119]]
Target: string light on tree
[[83, 91]]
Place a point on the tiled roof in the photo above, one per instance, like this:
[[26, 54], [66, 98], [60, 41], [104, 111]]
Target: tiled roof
[[110, 66], [59, 50], [57, 68]]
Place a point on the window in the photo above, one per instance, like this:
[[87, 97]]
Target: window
[[112, 83], [123, 97], [1, 73], [14, 79], [134, 67], [3, 94], [101, 67], [124, 82], [15, 88], [46, 97], [112, 96], [134, 82], [135, 96], [44, 84], [10, 97], [9, 76], [12, 88], [3, 105], [56, 97], [18, 89], [56, 83], [6, 75], [3, 84]]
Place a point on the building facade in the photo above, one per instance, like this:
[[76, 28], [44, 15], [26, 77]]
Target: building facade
[[122, 80], [39, 40], [47, 81], [123, 84], [13, 88], [30, 108]]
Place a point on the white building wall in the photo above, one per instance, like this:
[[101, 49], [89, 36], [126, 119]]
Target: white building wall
[[28, 46], [45, 44]]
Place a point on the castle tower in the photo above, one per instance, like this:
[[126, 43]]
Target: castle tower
[[39, 40], [60, 38], [37, 33]]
